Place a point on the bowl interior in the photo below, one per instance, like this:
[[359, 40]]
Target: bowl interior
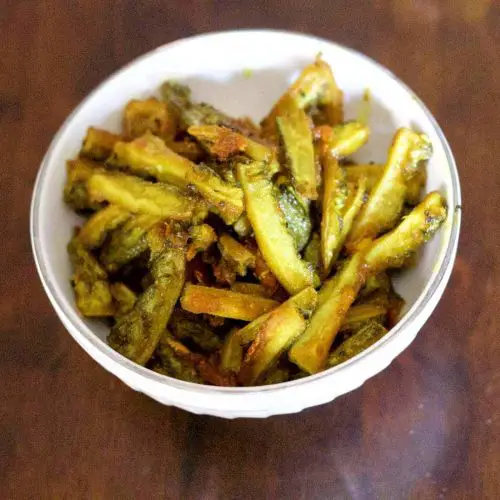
[[242, 73]]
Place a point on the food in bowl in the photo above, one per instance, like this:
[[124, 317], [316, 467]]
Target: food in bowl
[[226, 253]]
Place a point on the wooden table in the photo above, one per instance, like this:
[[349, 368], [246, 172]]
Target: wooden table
[[427, 427]]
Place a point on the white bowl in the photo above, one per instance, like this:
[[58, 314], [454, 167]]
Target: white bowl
[[243, 73]]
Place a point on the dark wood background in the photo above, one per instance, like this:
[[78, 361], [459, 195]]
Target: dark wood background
[[427, 427]]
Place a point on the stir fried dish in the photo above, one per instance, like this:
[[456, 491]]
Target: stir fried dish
[[227, 253]]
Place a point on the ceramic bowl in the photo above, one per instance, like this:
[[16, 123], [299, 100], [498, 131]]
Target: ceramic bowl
[[244, 73]]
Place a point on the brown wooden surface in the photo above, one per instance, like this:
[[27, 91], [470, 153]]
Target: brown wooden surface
[[427, 427]]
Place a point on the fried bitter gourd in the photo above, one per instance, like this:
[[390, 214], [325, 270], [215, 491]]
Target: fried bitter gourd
[[275, 242], [310, 352], [316, 87], [96, 228], [140, 196], [149, 156], [137, 333], [358, 342], [393, 248], [385, 202], [225, 303], [296, 136], [127, 242], [90, 282], [295, 211], [232, 350]]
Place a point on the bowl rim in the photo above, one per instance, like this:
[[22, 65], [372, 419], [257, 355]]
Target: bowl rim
[[83, 330]]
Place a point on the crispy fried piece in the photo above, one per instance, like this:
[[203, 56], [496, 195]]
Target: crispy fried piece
[[232, 351], [310, 352], [124, 298], [385, 202], [90, 282], [225, 303], [127, 242], [168, 362], [372, 173], [334, 200], [345, 139], [75, 189], [100, 224], [316, 87], [148, 115], [361, 340], [149, 156], [295, 132], [188, 327], [353, 205], [361, 313], [236, 254], [223, 143], [201, 237], [250, 289], [419, 226], [136, 335], [140, 196], [295, 211], [274, 240], [283, 325], [98, 144]]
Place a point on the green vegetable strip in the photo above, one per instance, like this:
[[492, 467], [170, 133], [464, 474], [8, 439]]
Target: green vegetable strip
[[275, 242]]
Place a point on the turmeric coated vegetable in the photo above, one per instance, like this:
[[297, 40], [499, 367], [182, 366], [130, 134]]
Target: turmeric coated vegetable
[[137, 333], [127, 242], [315, 87], [98, 144], [385, 202], [274, 240], [275, 335], [360, 341], [310, 352], [232, 351], [295, 131], [334, 199], [149, 156], [140, 196], [95, 230], [419, 226], [204, 237], [225, 303], [90, 282], [149, 115]]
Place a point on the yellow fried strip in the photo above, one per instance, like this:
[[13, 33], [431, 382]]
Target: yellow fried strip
[[98, 144], [277, 332], [392, 249], [295, 130], [140, 196], [97, 227], [310, 352], [225, 303], [238, 256], [274, 240], [386, 200], [149, 156]]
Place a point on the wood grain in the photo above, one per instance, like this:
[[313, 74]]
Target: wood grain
[[427, 427]]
